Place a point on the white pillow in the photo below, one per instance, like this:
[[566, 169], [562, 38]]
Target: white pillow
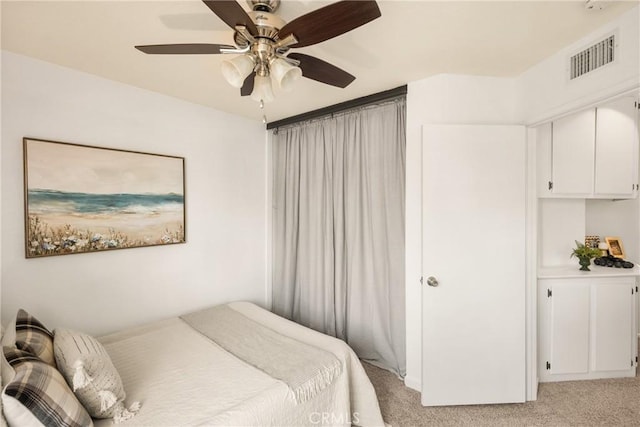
[[8, 340], [19, 416], [87, 368]]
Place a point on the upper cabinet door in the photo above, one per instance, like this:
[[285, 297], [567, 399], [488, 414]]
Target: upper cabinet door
[[573, 148], [616, 158]]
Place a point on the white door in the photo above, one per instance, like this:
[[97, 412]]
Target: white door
[[473, 321]]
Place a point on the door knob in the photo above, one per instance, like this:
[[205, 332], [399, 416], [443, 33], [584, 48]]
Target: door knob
[[432, 281]]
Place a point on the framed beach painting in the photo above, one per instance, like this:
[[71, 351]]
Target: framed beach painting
[[80, 198]]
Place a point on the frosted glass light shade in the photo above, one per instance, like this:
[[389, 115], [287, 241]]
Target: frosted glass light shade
[[236, 70], [284, 73], [262, 90]]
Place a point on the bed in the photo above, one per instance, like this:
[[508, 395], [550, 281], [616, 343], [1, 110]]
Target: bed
[[231, 365]]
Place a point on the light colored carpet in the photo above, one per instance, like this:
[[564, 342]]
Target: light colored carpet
[[610, 402]]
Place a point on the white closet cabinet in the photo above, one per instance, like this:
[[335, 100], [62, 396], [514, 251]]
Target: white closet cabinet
[[592, 153], [587, 328]]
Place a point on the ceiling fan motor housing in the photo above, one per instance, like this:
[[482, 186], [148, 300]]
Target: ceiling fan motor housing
[[264, 5], [267, 24]]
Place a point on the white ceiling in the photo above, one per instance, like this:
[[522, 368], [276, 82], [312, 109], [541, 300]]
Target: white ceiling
[[412, 40]]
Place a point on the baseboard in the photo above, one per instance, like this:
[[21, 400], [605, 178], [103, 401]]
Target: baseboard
[[413, 383]]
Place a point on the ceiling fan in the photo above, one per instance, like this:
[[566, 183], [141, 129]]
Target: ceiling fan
[[264, 40]]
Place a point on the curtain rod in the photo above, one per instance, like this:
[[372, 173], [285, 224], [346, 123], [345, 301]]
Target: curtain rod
[[358, 102]]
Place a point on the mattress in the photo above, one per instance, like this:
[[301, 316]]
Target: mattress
[[181, 377]]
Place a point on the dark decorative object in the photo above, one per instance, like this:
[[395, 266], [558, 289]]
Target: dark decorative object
[[610, 261], [584, 262]]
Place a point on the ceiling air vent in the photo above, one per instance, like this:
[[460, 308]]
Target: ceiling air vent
[[595, 56]]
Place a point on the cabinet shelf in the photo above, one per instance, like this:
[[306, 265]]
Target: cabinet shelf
[[573, 271]]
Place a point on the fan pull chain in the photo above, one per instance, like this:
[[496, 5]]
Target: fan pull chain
[[264, 116]]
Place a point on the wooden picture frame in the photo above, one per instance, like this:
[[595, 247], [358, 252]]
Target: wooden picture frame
[[615, 247], [81, 198]]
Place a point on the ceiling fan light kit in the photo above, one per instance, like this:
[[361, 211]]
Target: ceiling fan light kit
[[284, 73], [262, 89], [237, 69], [263, 41]]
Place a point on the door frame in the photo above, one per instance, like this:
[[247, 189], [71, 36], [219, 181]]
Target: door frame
[[531, 268]]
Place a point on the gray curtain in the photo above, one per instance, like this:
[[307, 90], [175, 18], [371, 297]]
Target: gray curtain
[[338, 228]]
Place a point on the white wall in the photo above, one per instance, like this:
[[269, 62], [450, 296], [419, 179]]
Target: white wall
[[546, 92], [561, 222], [619, 218], [440, 99], [225, 255]]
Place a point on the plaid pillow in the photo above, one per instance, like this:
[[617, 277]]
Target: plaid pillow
[[34, 337], [38, 393], [15, 356]]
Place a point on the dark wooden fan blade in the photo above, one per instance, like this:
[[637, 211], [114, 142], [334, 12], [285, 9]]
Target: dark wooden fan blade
[[232, 14], [330, 21], [247, 86], [183, 49], [321, 71]]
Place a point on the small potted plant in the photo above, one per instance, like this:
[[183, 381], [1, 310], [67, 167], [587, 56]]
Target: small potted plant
[[584, 254]]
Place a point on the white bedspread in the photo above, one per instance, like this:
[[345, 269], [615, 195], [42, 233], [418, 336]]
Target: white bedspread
[[182, 378]]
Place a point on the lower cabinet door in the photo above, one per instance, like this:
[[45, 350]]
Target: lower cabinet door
[[613, 320], [569, 346]]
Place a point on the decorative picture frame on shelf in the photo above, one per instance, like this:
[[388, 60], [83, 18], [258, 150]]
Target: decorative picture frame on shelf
[[81, 198], [591, 241], [615, 247]]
